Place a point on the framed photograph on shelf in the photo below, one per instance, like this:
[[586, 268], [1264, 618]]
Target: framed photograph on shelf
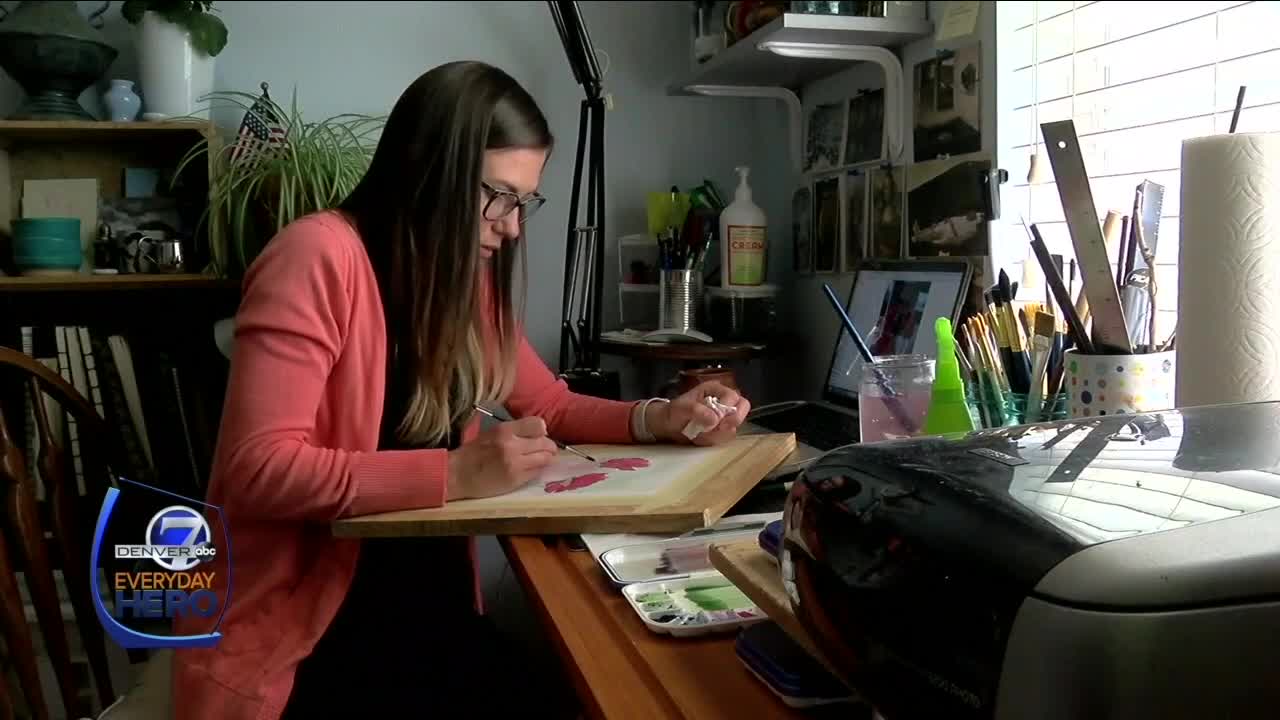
[[854, 247], [948, 104], [828, 226], [948, 208], [825, 136], [802, 230], [884, 223], [864, 140]]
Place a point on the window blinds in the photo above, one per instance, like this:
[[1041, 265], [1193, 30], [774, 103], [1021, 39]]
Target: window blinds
[[1137, 78]]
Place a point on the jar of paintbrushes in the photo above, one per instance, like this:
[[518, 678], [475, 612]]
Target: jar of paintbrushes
[[684, 225], [1013, 359], [1020, 409]]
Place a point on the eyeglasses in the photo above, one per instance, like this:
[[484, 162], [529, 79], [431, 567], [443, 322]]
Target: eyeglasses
[[502, 202]]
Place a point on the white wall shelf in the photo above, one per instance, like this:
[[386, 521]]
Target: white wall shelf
[[796, 49], [745, 63]]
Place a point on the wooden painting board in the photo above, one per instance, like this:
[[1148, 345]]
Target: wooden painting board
[[750, 568], [685, 488]]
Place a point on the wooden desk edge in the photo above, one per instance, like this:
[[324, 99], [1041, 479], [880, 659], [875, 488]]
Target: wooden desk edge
[[569, 615]]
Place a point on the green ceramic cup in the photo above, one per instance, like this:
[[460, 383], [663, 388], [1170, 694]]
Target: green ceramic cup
[[47, 245]]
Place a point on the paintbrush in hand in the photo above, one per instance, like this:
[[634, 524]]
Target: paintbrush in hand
[[559, 444]]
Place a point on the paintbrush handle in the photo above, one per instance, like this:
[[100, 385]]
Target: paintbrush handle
[[997, 399], [1060, 293], [573, 450], [559, 444], [1020, 373], [1035, 394]]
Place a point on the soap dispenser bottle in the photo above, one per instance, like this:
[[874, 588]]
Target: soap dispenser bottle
[[743, 246]]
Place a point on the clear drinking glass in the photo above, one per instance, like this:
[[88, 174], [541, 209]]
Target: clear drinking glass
[[893, 396]]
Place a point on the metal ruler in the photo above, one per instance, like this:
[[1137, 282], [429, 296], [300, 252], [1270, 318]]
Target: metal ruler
[[1088, 448], [1152, 206], [1109, 330]]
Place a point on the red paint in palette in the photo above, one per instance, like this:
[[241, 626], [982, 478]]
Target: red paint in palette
[[574, 483], [625, 463]]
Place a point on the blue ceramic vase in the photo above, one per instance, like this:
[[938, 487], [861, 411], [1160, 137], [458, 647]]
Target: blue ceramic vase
[[122, 102]]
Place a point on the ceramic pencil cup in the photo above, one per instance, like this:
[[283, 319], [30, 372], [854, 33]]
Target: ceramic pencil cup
[[1119, 384]]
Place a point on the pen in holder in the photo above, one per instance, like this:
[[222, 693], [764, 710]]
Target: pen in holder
[[679, 297]]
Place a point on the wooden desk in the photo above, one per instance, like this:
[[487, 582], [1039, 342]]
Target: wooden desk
[[622, 670]]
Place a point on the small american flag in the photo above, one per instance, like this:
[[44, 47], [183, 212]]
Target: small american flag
[[261, 132]]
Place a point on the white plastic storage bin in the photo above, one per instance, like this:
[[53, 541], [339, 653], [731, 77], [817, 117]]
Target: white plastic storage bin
[[638, 260], [638, 307], [637, 282]]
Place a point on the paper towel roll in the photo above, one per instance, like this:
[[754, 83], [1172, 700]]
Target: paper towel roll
[[1229, 270]]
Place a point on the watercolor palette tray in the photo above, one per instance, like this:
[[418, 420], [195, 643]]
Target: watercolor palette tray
[[695, 605], [669, 559]]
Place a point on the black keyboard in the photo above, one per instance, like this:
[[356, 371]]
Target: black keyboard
[[814, 425]]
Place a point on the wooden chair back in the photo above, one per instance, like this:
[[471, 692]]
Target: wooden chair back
[[24, 546]]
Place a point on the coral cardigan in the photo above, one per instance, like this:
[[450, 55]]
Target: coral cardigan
[[297, 449]]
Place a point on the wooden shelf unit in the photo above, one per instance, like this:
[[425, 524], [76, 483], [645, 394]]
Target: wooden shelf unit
[[109, 283], [63, 149], [95, 131]]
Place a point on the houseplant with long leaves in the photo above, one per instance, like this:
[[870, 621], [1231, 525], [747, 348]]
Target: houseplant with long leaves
[[256, 192]]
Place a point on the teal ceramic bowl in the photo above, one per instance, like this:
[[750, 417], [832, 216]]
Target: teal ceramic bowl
[[45, 246]]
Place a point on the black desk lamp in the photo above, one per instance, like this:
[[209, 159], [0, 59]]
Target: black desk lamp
[[584, 246]]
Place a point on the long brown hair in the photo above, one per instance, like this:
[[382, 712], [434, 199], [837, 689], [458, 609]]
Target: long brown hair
[[417, 210]]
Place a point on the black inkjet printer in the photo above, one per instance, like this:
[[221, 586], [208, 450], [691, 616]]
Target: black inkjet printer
[[1107, 568]]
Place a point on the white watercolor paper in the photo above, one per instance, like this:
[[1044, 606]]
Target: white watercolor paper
[[572, 475]]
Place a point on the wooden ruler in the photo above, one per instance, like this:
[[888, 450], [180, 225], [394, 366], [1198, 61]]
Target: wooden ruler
[[1109, 330]]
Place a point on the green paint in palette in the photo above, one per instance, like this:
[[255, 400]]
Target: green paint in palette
[[696, 604], [717, 597]]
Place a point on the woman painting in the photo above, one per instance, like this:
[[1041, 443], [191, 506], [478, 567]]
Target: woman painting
[[365, 339]]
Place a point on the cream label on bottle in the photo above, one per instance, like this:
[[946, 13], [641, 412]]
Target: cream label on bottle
[[746, 255]]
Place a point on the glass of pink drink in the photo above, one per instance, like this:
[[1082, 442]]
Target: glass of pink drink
[[893, 396]]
